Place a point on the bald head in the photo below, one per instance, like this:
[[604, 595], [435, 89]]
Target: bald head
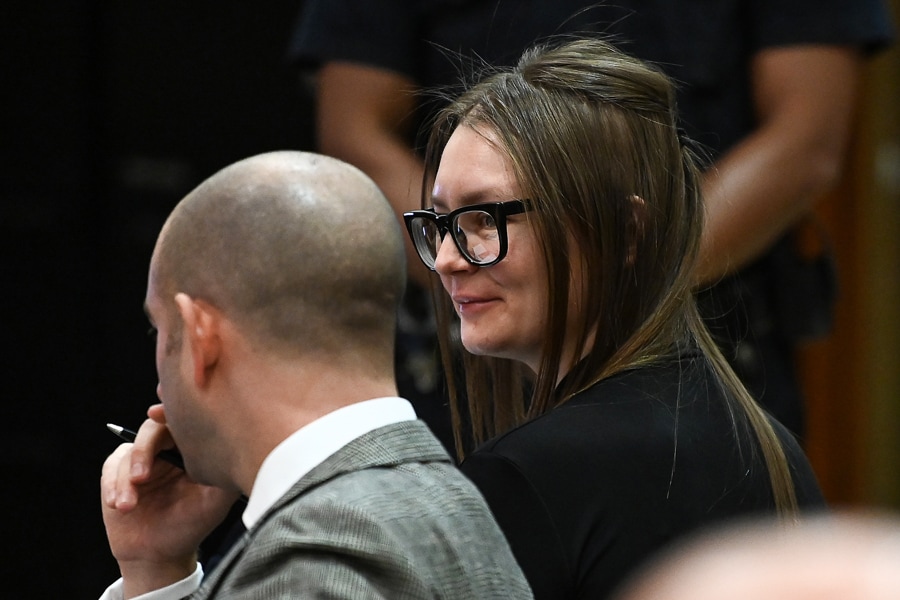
[[302, 250], [841, 557]]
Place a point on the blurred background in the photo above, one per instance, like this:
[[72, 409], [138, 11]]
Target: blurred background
[[115, 110]]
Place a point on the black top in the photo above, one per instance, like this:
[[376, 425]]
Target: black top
[[588, 491]]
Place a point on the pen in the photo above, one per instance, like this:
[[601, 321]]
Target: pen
[[170, 456]]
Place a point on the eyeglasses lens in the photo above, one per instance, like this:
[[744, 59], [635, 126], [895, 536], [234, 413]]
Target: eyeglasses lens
[[474, 231]]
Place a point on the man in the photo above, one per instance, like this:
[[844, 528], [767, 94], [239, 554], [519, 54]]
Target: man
[[274, 288]]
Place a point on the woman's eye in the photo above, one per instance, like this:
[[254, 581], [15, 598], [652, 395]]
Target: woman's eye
[[487, 221], [152, 332], [481, 220]]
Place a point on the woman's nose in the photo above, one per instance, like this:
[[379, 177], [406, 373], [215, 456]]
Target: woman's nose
[[449, 259]]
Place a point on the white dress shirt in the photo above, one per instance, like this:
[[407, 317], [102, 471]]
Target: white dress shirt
[[287, 463]]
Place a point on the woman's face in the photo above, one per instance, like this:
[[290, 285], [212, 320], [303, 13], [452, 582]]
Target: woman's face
[[502, 308]]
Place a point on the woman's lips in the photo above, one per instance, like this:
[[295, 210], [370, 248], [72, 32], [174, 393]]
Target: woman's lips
[[469, 306]]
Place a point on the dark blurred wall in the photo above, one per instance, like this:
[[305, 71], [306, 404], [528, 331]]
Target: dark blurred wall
[[113, 112]]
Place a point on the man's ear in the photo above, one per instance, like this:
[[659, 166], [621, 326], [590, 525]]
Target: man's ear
[[200, 335]]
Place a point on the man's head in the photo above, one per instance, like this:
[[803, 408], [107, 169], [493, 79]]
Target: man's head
[[298, 253], [301, 249], [834, 557]]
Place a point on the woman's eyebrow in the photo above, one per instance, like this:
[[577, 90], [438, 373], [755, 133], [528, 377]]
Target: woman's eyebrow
[[438, 205], [469, 198]]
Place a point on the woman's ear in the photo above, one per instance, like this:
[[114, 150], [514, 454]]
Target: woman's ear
[[200, 334]]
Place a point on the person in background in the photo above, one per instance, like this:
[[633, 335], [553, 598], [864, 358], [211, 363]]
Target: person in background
[[767, 87], [564, 225], [273, 288], [845, 556]]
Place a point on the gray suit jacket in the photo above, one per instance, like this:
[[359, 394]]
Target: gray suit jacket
[[387, 516]]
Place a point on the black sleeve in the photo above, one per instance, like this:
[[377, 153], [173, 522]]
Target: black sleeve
[[526, 522], [379, 34]]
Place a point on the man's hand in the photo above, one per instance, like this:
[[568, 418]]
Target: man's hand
[[155, 515]]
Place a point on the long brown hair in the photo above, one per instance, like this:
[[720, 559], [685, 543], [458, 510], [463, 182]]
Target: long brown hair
[[593, 139]]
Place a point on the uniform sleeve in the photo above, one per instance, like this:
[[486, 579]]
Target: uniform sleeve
[[525, 520], [380, 34], [865, 24]]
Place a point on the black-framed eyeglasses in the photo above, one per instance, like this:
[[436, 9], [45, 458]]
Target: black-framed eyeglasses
[[478, 230]]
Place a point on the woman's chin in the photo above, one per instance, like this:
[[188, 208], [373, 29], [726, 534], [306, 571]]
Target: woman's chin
[[480, 347], [492, 348]]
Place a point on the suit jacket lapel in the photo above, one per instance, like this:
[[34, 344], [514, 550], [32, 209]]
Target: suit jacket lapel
[[211, 583]]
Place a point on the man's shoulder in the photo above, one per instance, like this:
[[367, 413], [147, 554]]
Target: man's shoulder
[[401, 487], [397, 474], [418, 522], [407, 443]]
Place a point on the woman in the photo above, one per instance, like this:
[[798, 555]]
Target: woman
[[574, 211]]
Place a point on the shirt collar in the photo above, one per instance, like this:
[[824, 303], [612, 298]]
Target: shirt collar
[[306, 448]]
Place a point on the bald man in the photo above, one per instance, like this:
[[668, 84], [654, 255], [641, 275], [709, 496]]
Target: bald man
[[273, 288], [839, 557]]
